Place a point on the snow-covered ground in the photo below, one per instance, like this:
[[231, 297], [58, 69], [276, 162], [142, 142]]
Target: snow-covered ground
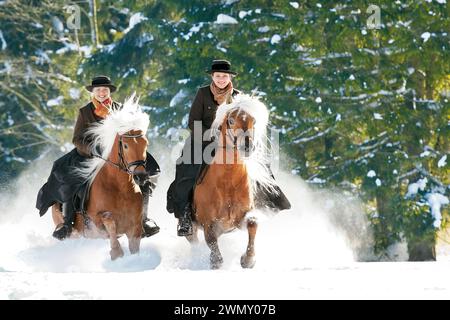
[[393, 280], [304, 253]]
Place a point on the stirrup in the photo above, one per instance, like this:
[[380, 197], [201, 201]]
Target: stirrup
[[148, 231]]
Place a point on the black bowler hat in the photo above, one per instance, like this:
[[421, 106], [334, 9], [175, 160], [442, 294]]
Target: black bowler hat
[[221, 66], [101, 81]]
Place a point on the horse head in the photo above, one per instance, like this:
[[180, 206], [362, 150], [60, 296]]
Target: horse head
[[238, 130], [132, 151], [243, 124]]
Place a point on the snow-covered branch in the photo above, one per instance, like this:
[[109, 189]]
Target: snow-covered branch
[[307, 139], [429, 175]]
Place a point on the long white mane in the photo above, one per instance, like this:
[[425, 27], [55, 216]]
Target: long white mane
[[257, 163], [103, 133]]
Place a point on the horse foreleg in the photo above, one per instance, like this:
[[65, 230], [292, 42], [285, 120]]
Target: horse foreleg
[[134, 239], [193, 239], [110, 226], [248, 258], [211, 238]]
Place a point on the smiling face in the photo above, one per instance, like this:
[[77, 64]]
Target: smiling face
[[221, 79], [101, 93]]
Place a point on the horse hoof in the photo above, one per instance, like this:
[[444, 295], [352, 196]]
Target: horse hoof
[[216, 265], [248, 262], [116, 253], [192, 239], [134, 250], [216, 262]]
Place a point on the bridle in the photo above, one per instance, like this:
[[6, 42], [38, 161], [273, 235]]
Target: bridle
[[123, 165], [230, 135]]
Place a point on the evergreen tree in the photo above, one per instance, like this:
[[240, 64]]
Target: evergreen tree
[[359, 108]]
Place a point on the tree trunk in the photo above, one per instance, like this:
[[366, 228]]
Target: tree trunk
[[328, 147], [384, 217], [422, 250], [94, 26], [77, 41]]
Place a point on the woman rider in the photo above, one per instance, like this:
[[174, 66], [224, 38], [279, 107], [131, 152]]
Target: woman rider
[[203, 110], [67, 189]]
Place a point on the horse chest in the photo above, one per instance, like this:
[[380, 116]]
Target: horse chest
[[123, 201], [234, 209]]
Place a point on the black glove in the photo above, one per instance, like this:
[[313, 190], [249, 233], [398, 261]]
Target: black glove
[[147, 187]]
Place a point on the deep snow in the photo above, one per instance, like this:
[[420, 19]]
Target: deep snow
[[302, 253]]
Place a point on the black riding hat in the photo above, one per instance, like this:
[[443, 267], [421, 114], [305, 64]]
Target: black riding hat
[[221, 66], [101, 81]]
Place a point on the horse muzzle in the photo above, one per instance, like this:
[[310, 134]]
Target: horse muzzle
[[132, 167]]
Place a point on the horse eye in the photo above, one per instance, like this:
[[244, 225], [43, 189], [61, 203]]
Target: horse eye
[[125, 146], [231, 121]]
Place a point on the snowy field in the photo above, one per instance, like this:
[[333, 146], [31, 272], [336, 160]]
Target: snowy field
[[306, 253]]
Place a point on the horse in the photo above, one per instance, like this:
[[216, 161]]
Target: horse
[[238, 166], [115, 202]]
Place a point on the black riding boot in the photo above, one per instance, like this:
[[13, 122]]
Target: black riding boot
[[185, 222], [64, 230], [149, 226], [170, 206]]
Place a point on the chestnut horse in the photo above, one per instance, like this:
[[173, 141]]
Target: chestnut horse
[[225, 195], [115, 204]]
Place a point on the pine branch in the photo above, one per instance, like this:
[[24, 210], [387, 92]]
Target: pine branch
[[27, 101], [429, 176], [307, 139]]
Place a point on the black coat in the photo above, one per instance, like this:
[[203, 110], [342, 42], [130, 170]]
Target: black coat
[[204, 108]]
